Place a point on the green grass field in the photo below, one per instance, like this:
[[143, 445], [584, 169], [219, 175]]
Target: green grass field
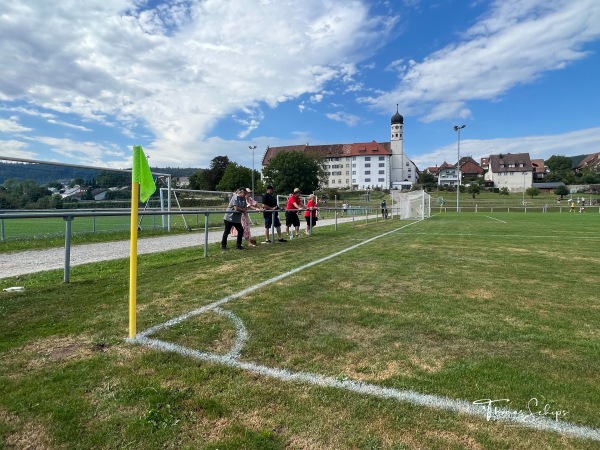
[[462, 307]]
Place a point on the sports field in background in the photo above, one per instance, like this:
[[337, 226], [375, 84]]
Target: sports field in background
[[282, 339]]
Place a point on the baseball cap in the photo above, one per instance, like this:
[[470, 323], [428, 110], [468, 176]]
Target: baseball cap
[[270, 186]]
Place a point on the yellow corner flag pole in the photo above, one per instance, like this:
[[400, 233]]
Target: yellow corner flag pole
[[142, 187]]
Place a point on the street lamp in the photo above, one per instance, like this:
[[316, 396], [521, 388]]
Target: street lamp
[[457, 129], [252, 147], [524, 176]]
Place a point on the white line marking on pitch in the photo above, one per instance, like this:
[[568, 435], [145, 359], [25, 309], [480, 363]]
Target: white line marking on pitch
[[493, 218], [231, 359]]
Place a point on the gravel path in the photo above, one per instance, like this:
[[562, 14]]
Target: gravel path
[[32, 261]]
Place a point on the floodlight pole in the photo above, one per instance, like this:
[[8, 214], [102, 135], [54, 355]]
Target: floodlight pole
[[524, 175], [457, 129], [252, 147]]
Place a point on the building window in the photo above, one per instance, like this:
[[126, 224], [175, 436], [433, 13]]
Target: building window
[[381, 164], [407, 164], [367, 158], [381, 180], [368, 165], [382, 158], [382, 172], [354, 158], [353, 164], [367, 180], [367, 172], [354, 172]]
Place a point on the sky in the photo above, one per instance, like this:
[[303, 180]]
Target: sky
[[83, 82]]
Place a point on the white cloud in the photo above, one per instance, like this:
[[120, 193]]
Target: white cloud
[[11, 126], [567, 144], [16, 149], [182, 66], [515, 44], [69, 125], [86, 153], [349, 119]]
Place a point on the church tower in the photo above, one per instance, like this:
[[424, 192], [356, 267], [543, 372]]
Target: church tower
[[397, 163]]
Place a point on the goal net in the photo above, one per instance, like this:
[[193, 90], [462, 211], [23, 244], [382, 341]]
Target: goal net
[[184, 200], [414, 205]]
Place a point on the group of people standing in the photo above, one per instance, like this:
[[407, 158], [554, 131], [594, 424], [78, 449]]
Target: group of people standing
[[236, 218]]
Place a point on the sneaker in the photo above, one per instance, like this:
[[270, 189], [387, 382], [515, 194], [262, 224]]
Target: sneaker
[[241, 248], [281, 240], [268, 241]]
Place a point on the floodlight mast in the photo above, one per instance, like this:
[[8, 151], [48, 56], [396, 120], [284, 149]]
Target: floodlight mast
[[252, 147], [457, 129]]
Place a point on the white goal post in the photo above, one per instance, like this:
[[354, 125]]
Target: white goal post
[[415, 205]]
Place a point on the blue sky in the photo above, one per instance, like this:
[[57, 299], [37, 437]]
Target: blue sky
[[191, 80]]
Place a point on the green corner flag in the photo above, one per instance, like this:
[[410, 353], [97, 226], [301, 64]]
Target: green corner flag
[[141, 174]]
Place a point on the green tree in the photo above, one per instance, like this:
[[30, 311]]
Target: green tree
[[532, 192], [560, 168], [590, 178], [562, 191], [109, 178], [197, 179], [558, 163], [235, 176], [213, 175], [289, 170], [474, 189], [427, 180]]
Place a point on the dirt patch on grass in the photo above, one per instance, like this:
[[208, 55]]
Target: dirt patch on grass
[[26, 435], [46, 352]]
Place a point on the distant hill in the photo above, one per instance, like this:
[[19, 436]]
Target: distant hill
[[45, 173]]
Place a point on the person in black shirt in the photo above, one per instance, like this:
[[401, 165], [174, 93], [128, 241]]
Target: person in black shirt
[[269, 202]]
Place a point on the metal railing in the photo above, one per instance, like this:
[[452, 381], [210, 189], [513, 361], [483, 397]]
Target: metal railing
[[363, 213]]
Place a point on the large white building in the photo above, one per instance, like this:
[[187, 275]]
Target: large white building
[[363, 165], [511, 171]]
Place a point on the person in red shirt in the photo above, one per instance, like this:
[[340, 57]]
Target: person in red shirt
[[294, 204], [311, 213]]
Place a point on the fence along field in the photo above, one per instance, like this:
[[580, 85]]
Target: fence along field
[[378, 345]]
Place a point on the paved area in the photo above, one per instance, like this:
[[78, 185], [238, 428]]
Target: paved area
[[32, 261]]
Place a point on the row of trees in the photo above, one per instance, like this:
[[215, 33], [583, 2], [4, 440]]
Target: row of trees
[[286, 171]]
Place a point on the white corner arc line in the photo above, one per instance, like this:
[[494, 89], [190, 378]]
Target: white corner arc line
[[413, 397]]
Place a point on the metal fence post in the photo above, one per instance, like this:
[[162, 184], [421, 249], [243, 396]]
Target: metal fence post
[[68, 220], [205, 234]]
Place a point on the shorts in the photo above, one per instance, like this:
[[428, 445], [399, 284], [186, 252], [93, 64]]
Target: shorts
[[311, 221], [269, 220], [291, 219]]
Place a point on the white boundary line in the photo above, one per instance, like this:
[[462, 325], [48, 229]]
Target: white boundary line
[[231, 359], [493, 218]]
